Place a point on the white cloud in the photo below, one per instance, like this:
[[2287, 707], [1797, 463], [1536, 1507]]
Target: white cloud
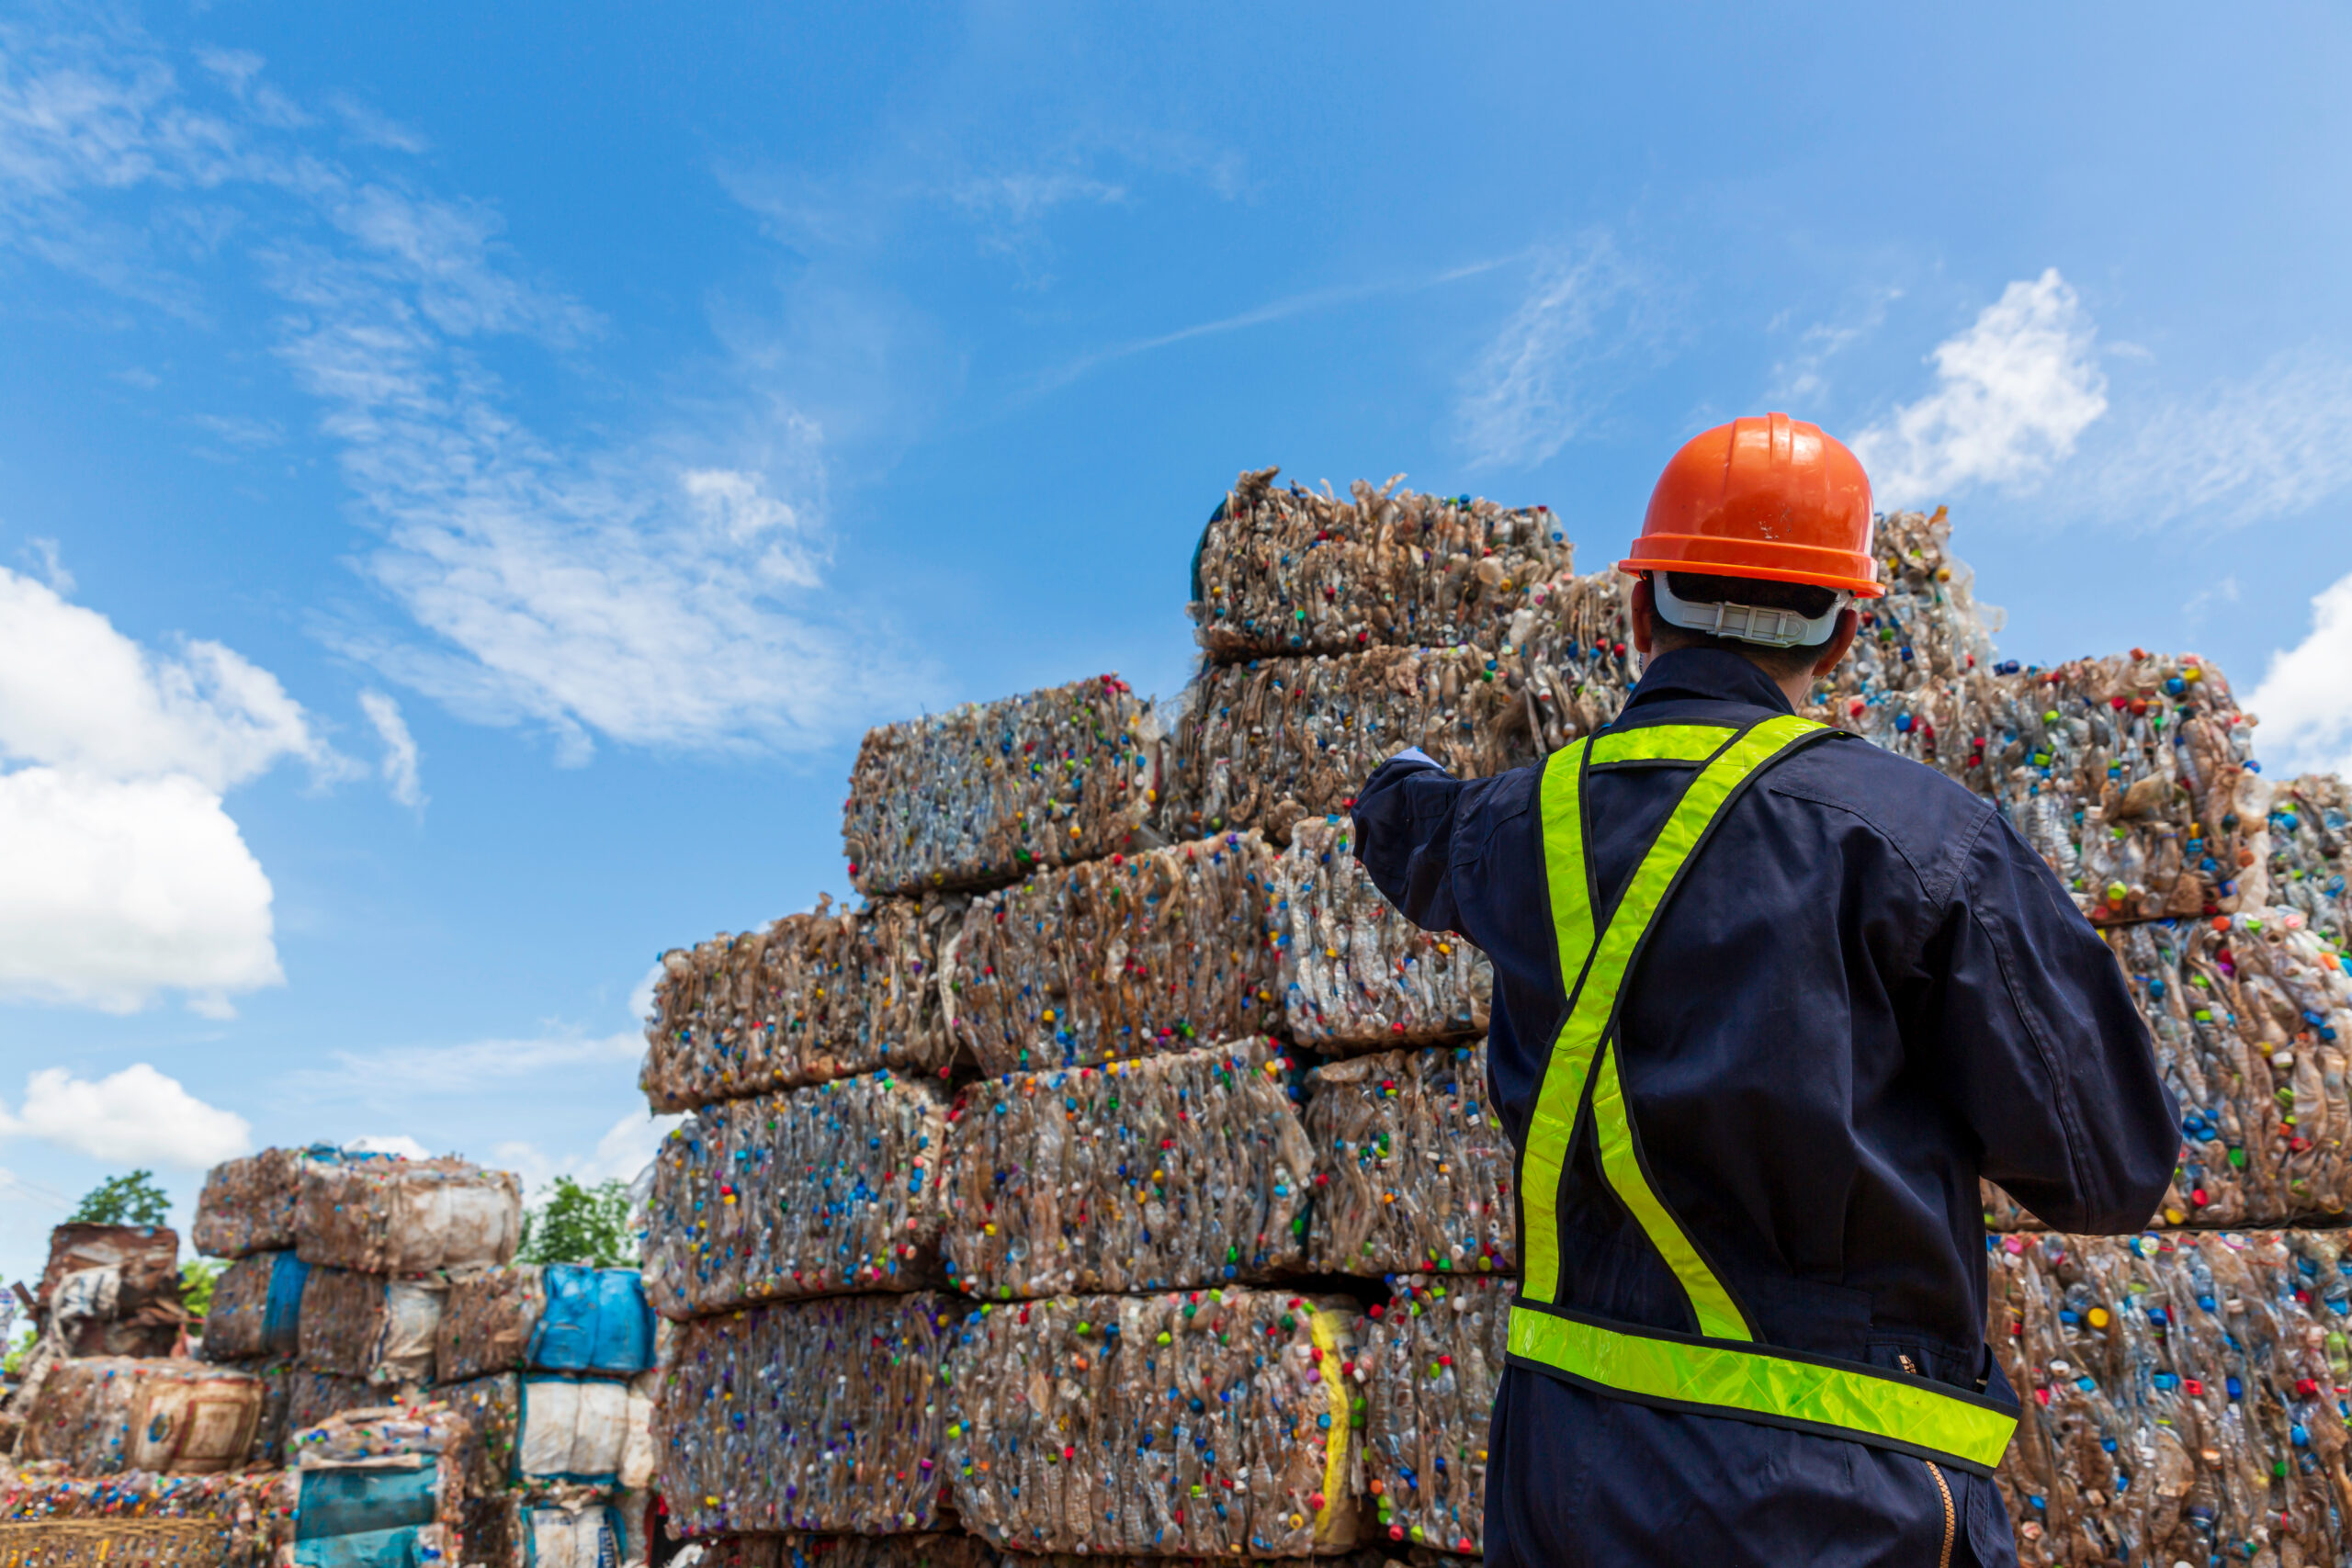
[[126, 875], [2304, 701], [77, 694], [1536, 385], [1803, 378], [658, 592], [2272, 445], [137, 1116], [2013, 392], [118, 888], [398, 765]]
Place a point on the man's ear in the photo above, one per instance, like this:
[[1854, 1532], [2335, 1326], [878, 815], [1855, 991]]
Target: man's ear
[[1644, 606], [1840, 641]]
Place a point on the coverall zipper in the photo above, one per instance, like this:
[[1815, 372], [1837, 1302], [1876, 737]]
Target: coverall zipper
[[1951, 1519]]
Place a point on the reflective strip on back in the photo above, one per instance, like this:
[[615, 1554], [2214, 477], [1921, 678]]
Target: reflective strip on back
[[1660, 743], [1549, 1128], [1915, 1415]]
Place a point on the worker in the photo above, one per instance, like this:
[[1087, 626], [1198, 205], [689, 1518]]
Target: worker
[[1769, 1000]]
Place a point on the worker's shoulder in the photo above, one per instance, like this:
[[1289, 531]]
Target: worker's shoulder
[[1915, 805]]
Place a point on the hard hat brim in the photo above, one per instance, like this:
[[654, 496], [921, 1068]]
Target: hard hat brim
[[1772, 560]]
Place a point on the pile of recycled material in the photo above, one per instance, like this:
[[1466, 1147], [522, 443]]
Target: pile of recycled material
[[1215, 1422], [554, 1526], [946, 1551], [566, 1317], [2183, 1397], [807, 1192], [1927, 626], [248, 1205], [823, 1416], [539, 1429], [1261, 745], [1432, 1357], [52, 1519], [2310, 845], [101, 1415], [1117, 957], [1356, 974], [1412, 1169], [1177, 1170], [367, 1327], [815, 995], [1285, 570], [382, 1215], [256, 1303], [986, 793]]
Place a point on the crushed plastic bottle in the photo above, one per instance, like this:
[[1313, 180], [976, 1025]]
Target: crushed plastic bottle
[[809, 1192], [1414, 1172], [1216, 1423], [1159, 951], [1356, 974], [1433, 1359], [1173, 1171], [984, 794]]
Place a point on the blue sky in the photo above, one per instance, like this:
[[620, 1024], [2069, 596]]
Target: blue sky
[[468, 475]]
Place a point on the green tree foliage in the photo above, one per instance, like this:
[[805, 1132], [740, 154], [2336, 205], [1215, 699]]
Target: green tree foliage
[[132, 1200], [580, 1225], [197, 1278]]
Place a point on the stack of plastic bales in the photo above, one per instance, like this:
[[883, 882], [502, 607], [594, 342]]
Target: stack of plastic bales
[[50, 1518]]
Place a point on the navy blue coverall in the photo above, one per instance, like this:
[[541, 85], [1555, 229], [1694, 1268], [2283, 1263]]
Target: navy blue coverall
[[1867, 992]]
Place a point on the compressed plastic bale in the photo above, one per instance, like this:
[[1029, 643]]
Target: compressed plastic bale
[[1179, 1170], [1117, 957], [487, 1321], [2127, 774], [257, 1308], [1261, 745], [52, 1520], [2182, 1396], [1284, 571], [1212, 1423], [387, 1215], [1430, 1362], [815, 995], [313, 1397], [570, 1533], [807, 1192], [824, 1416], [595, 1320], [98, 1415], [1926, 626], [1356, 975], [939, 1551], [2310, 847], [491, 1409], [1414, 1172], [248, 1205], [985, 793], [109, 1290], [573, 1429], [369, 1328], [380, 1483]]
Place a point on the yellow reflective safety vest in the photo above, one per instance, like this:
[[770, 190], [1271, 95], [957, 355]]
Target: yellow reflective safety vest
[[1721, 1370]]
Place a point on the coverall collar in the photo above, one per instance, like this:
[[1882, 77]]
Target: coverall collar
[[1713, 674]]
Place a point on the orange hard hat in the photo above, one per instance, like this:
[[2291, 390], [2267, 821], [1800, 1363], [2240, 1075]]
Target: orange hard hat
[[1772, 498]]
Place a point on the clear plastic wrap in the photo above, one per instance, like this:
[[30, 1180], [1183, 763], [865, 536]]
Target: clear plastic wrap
[[988, 792], [805, 1193], [1284, 571], [248, 1205], [98, 1415], [1117, 957], [1432, 1358], [1173, 1171], [2184, 1396], [1414, 1172], [1356, 975], [824, 1416], [1209, 1423], [52, 1520], [366, 1327], [814, 997], [1262, 744], [387, 1215]]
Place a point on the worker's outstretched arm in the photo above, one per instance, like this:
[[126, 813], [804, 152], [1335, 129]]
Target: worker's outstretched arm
[[1405, 826], [2042, 1050]]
